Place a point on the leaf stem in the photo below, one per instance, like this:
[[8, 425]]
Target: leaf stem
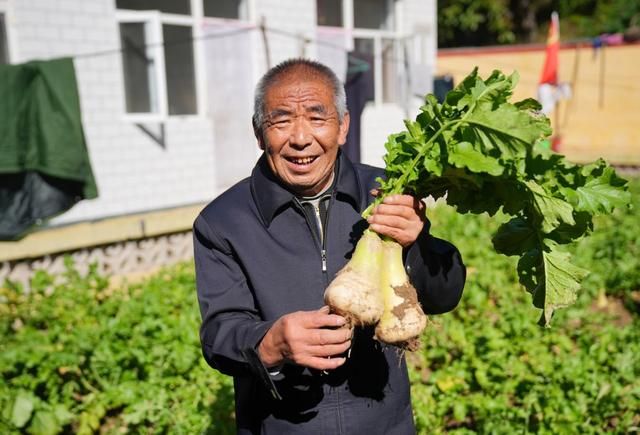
[[398, 185]]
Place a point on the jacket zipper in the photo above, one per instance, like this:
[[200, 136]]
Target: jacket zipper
[[323, 236], [323, 251]]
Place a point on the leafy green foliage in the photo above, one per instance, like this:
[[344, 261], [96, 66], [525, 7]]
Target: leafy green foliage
[[485, 368], [79, 356], [491, 22], [480, 150]]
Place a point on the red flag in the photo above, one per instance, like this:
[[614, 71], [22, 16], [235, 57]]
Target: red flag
[[550, 69]]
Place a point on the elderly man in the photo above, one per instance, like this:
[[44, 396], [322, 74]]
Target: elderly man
[[266, 249]]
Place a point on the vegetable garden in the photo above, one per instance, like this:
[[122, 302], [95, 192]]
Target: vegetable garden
[[78, 355]]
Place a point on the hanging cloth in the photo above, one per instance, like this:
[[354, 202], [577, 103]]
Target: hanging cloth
[[44, 162], [359, 88]]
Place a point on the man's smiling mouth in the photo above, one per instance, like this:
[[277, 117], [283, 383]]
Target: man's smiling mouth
[[301, 160]]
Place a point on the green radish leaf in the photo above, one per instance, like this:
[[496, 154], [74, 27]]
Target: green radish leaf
[[515, 237], [553, 211], [513, 129], [600, 195], [483, 154], [463, 155], [562, 281]]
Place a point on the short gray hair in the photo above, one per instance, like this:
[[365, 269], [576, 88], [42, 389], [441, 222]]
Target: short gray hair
[[306, 66]]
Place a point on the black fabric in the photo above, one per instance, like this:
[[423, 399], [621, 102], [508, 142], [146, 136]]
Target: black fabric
[[441, 86], [28, 197], [257, 260], [359, 89]]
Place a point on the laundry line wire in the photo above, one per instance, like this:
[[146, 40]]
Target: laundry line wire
[[234, 32]]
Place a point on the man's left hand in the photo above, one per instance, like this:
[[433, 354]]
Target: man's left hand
[[400, 217]]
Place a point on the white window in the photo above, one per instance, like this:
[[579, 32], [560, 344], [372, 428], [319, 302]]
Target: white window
[[375, 39], [158, 59], [4, 43], [181, 7], [233, 9]]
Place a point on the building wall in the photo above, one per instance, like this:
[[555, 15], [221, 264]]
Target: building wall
[[599, 120], [134, 171]]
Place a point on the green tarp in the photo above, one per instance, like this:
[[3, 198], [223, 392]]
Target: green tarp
[[44, 163]]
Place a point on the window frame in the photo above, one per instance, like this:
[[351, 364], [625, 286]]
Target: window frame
[[377, 35], [12, 52], [246, 8], [156, 19]]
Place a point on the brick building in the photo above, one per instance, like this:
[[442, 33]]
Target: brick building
[[166, 92]]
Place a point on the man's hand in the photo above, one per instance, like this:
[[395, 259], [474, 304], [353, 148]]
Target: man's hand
[[307, 338], [400, 217]]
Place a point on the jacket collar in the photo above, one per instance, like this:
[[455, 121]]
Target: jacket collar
[[271, 196]]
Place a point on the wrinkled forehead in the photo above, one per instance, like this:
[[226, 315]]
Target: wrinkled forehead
[[299, 85]]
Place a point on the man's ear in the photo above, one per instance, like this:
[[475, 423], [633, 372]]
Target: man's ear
[[344, 129], [257, 131]]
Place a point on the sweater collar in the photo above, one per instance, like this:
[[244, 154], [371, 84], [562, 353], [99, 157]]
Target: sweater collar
[[271, 196]]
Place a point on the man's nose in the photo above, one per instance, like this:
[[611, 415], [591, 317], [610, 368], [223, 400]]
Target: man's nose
[[301, 133]]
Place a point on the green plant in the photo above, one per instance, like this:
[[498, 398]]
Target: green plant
[[486, 368], [77, 355]]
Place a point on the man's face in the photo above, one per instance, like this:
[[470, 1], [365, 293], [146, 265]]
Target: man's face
[[302, 133]]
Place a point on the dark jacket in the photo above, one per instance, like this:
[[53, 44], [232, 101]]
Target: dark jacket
[[257, 259]]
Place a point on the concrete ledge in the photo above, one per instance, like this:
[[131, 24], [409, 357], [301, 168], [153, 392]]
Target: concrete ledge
[[94, 233]]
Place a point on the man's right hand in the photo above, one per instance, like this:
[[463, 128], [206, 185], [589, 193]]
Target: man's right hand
[[307, 338]]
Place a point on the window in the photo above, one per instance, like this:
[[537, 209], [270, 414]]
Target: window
[[158, 63], [371, 29], [329, 12], [182, 7], [372, 14], [139, 68], [4, 46], [234, 9], [179, 69]]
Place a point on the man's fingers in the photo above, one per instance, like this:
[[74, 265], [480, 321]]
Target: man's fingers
[[322, 320], [395, 210], [391, 221], [331, 349], [406, 200], [325, 309], [324, 337]]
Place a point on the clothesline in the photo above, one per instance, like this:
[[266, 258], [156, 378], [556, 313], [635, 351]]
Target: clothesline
[[160, 44], [234, 32]]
